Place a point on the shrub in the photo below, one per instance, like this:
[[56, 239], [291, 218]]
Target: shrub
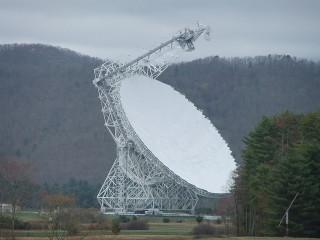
[[115, 228], [204, 229], [21, 225], [134, 218], [199, 219], [36, 225], [68, 220], [5, 223], [166, 220], [102, 225], [72, 229], [135, 225], [92, 227]]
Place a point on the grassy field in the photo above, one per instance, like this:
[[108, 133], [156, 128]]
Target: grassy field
[[176, 229], [162, 237], [29, 217]]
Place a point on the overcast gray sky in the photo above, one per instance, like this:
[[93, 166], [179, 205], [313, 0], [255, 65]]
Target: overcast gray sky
[[110, 29]]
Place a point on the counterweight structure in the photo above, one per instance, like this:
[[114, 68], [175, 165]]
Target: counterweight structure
[[138, 180]]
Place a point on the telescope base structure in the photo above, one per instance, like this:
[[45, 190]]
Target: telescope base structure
[[122, 195], [138, 180]]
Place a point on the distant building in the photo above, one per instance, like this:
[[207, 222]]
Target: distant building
[[211, 218], [7, 208], [153, 212]]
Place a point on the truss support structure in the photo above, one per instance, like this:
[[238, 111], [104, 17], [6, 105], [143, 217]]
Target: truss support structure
[[138, 180]]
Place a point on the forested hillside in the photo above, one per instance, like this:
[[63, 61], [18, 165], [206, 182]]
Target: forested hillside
[[51, 116], [50, 113], [282, 161]]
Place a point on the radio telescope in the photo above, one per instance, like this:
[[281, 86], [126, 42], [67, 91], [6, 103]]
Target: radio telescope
[[168, 153]]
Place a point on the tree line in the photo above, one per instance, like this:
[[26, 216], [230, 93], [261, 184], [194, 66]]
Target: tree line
[[17, 187], [281, 158], [19, 191], [84, 192]]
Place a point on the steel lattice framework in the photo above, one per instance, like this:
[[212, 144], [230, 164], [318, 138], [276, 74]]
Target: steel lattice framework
[[138, 179]]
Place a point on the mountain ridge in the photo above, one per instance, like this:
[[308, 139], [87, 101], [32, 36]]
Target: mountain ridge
[[51, 115]]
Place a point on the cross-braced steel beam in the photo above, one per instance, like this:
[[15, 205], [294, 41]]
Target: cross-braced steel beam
[[138, 180]]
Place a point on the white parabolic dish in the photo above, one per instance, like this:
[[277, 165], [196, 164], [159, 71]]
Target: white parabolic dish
[[177, 133]]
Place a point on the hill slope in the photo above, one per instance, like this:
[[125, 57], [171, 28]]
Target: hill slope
[[50, 113]]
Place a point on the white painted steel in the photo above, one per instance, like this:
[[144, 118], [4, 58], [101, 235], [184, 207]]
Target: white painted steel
[[177, 133], [137, 179]]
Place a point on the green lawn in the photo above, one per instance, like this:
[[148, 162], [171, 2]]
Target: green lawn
[[27, 216], [31, 216]]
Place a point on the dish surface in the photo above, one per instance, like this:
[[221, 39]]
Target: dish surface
[[177, 133]]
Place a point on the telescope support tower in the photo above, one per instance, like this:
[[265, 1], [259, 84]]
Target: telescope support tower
[[137, 179]]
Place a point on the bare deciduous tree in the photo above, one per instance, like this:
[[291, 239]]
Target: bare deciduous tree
[[15, 184]]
